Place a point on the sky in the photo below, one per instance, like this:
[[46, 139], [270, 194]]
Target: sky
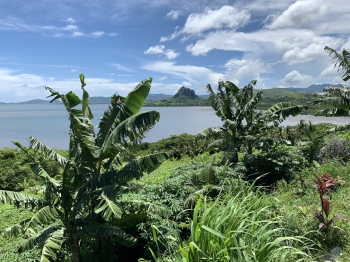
[[117, 44]]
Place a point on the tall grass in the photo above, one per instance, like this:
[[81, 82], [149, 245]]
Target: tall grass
[[240, 228]]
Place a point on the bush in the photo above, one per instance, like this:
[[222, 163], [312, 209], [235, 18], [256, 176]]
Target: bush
[[280, 163], [16, 170], [178, 146], [337, 149]]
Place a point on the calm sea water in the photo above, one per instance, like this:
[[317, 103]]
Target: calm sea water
[[49, 122]]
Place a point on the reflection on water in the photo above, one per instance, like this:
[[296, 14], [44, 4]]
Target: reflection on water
[[49, 122]]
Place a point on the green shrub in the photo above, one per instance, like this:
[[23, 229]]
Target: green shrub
[[280, 163]]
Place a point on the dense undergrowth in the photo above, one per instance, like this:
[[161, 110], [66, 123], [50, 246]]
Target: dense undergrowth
[[216, 213]]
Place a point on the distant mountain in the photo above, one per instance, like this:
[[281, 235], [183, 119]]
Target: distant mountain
[[186, 96], [186, 92], [317, 88], [35, 101]]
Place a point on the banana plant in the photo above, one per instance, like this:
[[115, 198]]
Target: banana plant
[[84, 204], [244, 125]]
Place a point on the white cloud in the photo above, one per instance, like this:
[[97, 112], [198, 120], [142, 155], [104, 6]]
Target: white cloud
[[160, 49], [71, 20], [262, 41], [298, 14], [314, 51], [171, 54], [78, 34], [194, 74], [237, 69], [97, 34], [171, 37], [121, 67], [12, 88], [173, 14], [69, 30], [163, 78], [321, 16], [225, 17], [296, 79]]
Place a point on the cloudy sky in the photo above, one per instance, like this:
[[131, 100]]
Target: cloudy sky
[[116, 44]]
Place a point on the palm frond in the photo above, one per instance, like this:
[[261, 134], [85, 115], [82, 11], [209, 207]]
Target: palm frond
[[19, 199], [38, 169], [108, 208], [16, 229], [110, 120], [38, 239], [44, 217], [111, 178], [135, 99], [147, 163], [341, 60], [285, 109], [210, 132], [53, 246], [83, 132], [48, 152], [219, 143], [133, 128]]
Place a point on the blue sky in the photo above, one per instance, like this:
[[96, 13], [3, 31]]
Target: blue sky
[[116, 44]]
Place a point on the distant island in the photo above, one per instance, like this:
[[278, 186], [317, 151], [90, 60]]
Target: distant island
[[188, 97]]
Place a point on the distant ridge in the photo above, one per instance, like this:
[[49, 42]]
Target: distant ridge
[[185, 94], [35, 101], [316, 88]]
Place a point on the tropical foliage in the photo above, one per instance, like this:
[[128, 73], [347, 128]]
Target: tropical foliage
[[243, 125], [81, 207], [337, 99]]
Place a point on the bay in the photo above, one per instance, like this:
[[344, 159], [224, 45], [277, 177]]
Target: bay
[[49, 122]]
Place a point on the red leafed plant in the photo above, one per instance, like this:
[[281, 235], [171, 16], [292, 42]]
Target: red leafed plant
[[324, 183]]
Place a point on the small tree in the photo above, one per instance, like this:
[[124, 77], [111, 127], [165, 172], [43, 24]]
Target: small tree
[[244, 126], [82, 205]]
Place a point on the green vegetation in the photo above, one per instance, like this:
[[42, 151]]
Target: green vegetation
[[248, 191]]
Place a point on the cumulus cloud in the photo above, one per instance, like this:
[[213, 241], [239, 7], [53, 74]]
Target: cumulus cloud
[[297, 55], [245, 68], [296, 79], [97, 34], [255, 42], [160, 49], [173, 14], [298, 14], [71, 20], [226, 17], [195, 74]]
